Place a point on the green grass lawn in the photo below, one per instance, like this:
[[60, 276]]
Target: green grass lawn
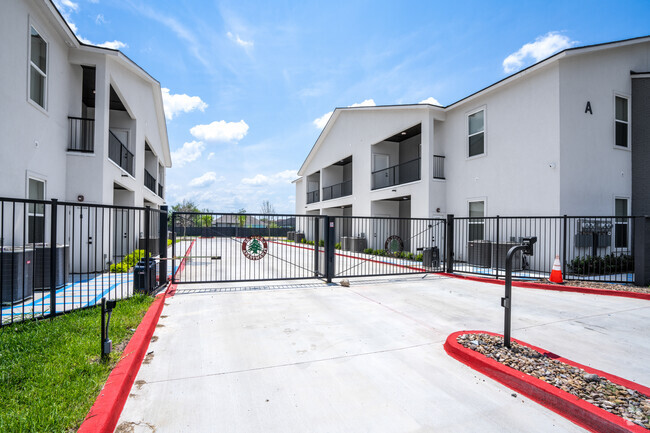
[[50, 373]]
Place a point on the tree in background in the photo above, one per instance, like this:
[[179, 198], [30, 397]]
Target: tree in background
[[242, 218], [183, 220], [267, 207]]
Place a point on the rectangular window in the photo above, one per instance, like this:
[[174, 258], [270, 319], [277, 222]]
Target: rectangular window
[[476, 221], [476, 133], [37, 68], [36, 212], [621, 122], [621, 223]]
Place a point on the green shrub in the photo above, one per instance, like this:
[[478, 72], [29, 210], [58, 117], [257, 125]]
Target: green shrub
[[609, 264], [321, 243], [302, 240], [310, 242], [368, 251], [120, 268], [338, 246], [418, 257]]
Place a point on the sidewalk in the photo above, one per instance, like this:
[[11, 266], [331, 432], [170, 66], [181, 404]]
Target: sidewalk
[[302, 357]]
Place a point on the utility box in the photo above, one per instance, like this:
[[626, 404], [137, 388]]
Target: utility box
[[291, 236], [355, 244], [431, 257], [479, 253], [17, 274], [499, 253], [299, 236], [140, 282], [42, 254]]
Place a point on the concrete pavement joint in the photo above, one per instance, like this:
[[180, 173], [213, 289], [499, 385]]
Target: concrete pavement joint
[[292, 364], [583, 317]]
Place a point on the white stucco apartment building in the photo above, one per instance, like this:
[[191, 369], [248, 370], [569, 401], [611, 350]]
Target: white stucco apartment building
[[568, 135], [77, 122]]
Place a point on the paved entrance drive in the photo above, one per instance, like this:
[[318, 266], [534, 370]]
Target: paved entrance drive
[[308, 357]]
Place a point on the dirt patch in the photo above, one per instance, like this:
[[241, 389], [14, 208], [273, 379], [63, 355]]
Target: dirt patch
[[599, 285], [163, 317], [129, 427], [140, 383], [148, 358], [154, 338], [160, 326]]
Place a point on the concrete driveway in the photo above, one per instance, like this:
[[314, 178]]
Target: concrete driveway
[[308, 357]]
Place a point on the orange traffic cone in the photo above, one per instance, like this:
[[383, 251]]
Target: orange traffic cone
[[556, 273]]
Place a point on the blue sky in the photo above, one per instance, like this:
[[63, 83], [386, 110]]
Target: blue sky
[[248, 84]]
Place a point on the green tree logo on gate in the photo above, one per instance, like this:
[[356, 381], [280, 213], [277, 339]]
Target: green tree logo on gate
[[254, 247], [394, 245]]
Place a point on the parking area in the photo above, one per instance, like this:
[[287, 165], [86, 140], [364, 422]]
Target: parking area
[[295, 356]]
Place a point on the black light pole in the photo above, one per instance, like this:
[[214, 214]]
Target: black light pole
[[527, 248]]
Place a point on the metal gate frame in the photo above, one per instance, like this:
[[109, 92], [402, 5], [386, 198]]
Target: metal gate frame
[[243, 227], [321, 234]]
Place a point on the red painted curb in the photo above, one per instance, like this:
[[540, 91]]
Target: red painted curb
[[543, 286], [561, 402], [106, 411]]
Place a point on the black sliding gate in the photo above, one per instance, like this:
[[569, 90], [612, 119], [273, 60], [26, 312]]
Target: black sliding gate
[[224, 247]]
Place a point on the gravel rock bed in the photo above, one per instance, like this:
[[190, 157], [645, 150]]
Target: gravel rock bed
[[599, 285], [619, 400]]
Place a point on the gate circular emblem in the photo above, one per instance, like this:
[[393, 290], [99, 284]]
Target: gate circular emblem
[[254, 247], [394, 244]]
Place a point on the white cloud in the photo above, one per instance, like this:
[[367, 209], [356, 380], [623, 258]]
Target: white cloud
[[322, 121], [211, 155], [430, 100], [100, 19], [178, 103], [206, 179], [220, 130], [114, 45], [544, 46], [66, 4], [190, 151], [285, 176], [239, 41]]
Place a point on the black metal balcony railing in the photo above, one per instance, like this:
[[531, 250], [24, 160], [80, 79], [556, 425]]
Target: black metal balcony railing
[[312, 197], [438, 167], [119, 154], [160, 191], [149, 181], [338, 190], [82, 134], [397, 174]]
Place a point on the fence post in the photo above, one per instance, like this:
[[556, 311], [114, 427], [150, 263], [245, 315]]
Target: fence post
[[564, 244], [316, 246], [449, 237], [53, 258], [162, 246], [496, 260], [147, 273], [329, 248], [642, 251], [173, 269]]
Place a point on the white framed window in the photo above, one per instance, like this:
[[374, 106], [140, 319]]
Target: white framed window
[[621, 222], [36, 211], [621, 121], [38, 61], [476, 222], [476, 133]]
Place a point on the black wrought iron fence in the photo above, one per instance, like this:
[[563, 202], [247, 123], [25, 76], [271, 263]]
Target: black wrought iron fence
[[56, 257], [588, 248]]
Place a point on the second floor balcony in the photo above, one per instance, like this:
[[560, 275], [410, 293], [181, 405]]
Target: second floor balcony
[[313, 197], [397, 174], [338, 190], [149, 181], [82, 134], [119, 154]]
